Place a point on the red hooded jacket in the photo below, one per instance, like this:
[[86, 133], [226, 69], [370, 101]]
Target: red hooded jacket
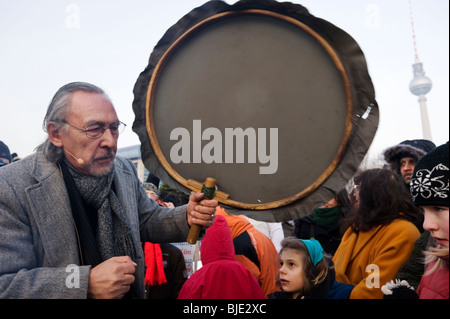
[[221, 277], [434, 285], [246, 237]]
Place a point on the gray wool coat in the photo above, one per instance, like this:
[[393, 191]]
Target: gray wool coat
[[39, 254]]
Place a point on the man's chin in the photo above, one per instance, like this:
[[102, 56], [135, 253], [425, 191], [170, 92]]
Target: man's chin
[[102, 170]]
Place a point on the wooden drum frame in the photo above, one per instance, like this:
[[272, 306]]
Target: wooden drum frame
[[312, 161]]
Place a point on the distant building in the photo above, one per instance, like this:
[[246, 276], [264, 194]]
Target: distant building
[[133, 153]]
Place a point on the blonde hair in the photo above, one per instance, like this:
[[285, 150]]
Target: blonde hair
[[436, 254]]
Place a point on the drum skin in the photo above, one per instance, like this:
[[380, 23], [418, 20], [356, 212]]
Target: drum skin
[[273, 103]]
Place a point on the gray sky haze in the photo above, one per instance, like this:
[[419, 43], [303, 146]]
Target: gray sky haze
[[48, 43]]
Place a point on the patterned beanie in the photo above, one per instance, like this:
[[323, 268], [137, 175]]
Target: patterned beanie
[[429, 182]]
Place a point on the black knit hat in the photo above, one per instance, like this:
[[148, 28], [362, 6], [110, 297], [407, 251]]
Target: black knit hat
[[409, 148], [429, 182], [4, 151]]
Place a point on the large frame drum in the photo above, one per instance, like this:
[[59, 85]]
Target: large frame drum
[[261, 96]]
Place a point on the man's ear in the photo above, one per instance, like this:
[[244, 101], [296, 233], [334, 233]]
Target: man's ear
[[54, 134]]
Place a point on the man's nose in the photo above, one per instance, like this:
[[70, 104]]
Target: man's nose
[[108, 139]]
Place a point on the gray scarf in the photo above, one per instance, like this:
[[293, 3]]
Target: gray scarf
[[113, 234]]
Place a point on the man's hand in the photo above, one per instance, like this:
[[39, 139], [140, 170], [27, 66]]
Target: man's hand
[[112, 278], [201, 211]]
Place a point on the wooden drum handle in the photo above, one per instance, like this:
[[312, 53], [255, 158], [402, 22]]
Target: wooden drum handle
[[208, 189]]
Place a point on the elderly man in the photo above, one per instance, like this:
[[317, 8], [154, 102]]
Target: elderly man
[[72, 215]]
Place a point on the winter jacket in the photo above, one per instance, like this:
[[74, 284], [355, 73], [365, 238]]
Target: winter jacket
[[412, 271], [38, 240], [434, 285], [221, 276], [329, 235], [254, 250], [175, 274], [370, 259]]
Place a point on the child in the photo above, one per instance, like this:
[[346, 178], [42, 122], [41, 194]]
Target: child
[[304, 272], [430, 190], [221, 277], [253, 249], [432, 196]]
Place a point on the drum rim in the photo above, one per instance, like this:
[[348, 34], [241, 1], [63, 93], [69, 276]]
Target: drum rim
[[220, 196]]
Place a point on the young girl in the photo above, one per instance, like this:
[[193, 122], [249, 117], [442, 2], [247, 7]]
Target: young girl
[[429, 187], [304, 272], [430, 191]]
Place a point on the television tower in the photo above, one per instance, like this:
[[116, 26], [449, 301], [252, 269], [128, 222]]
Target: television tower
[[420, 85]]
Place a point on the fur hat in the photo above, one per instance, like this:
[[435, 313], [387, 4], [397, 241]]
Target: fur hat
[[429, 182], [409, 148]]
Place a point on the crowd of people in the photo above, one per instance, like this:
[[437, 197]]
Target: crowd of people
[[364, 240], [74, 203]]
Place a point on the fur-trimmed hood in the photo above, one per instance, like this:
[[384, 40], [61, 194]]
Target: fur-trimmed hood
[[409, 148]]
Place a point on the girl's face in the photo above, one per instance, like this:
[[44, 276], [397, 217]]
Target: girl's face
[[436, 222], [291, 271]]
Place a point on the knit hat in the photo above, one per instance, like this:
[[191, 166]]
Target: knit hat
[[150, 187], [315, 250], [409, 148], [429, 182], [4, 151]]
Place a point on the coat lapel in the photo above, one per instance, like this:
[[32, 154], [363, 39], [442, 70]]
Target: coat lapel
[[352, 245], [51, 209], [362, 240]]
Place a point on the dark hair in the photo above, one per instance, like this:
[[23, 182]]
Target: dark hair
[[382, 199], [342, 197]]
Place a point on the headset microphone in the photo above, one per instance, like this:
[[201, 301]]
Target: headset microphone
[[79, 160]]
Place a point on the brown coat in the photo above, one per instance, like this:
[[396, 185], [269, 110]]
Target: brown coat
[[370, 259]]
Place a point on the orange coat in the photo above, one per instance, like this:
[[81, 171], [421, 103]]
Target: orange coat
[[369, 260], [266, 252]]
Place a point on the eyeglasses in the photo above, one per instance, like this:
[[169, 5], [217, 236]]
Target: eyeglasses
[[97, 130], [356, 188]]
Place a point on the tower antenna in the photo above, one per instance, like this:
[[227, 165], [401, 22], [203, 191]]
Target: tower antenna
[[416, 53], [420, 85]]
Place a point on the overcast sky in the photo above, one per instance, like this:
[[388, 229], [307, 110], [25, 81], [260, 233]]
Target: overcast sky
[[48, 43]]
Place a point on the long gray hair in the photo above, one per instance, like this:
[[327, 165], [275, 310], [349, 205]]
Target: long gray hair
[[57, 112]]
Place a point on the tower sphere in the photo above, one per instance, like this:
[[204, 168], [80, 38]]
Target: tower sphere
[[420, 85]]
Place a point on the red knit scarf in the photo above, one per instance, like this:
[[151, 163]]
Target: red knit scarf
[[154, 274]]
